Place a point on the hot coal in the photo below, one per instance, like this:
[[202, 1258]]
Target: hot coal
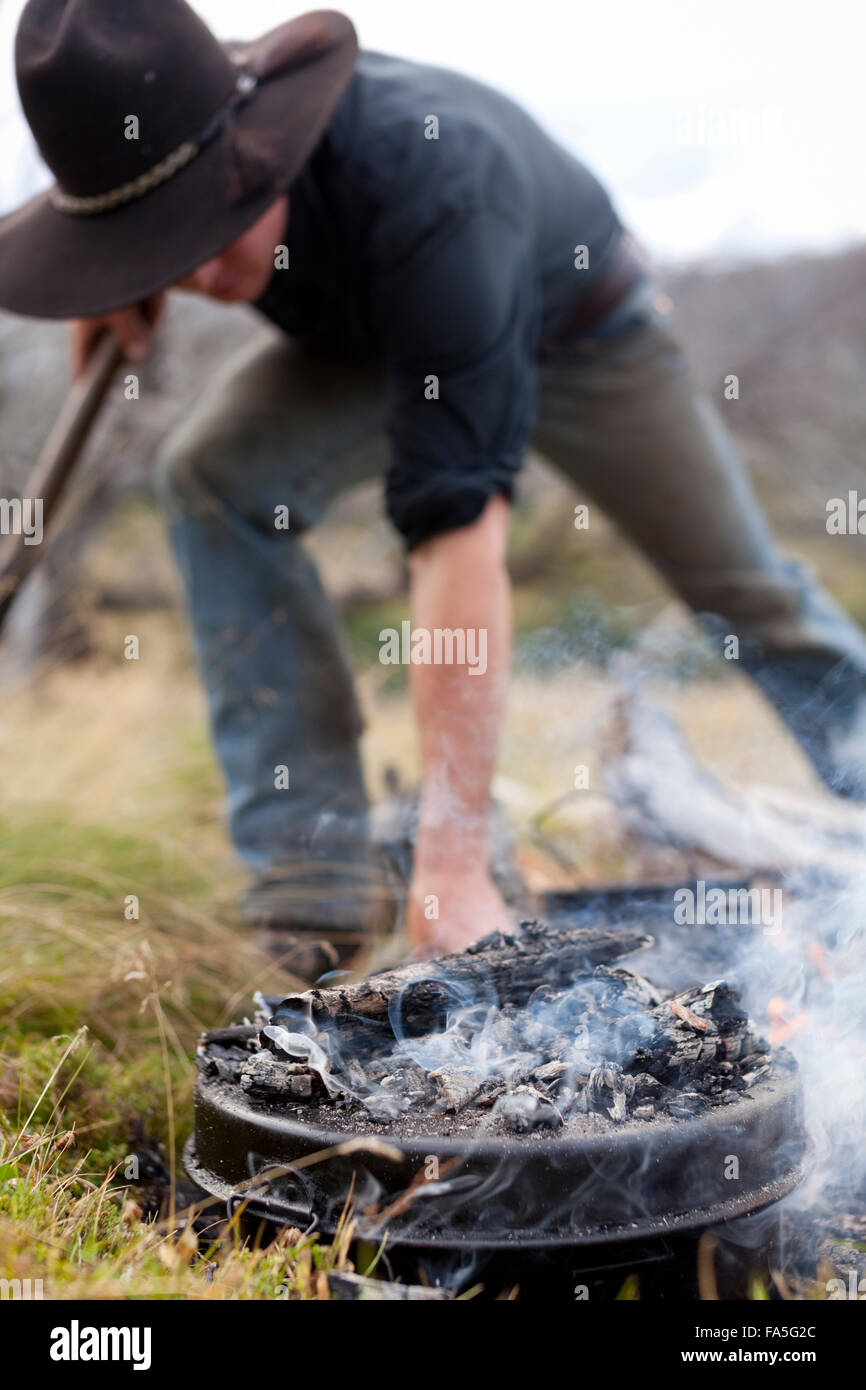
[[526, 1109], [520, 1034]]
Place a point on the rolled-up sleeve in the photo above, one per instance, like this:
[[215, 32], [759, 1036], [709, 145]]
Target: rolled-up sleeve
[[457, 318]]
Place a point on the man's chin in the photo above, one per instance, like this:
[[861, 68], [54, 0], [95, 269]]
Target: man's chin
[[234, 292], [230, 294]]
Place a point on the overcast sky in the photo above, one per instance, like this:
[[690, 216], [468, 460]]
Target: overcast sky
[[730, 129]]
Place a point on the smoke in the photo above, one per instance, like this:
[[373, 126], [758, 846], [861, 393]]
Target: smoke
[[818, 968], [803, 984], [557, 1038], [477, 1074]]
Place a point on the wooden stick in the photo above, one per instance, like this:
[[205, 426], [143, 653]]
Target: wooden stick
[[499, 969], [57, 460]]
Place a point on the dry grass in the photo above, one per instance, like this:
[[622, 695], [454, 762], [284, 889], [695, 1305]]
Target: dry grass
[[112, 794]]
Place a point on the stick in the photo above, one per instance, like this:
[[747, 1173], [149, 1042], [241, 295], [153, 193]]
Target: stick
[[504, 969], [57, 461]]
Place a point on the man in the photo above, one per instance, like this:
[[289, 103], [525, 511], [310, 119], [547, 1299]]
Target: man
[[446, 285]]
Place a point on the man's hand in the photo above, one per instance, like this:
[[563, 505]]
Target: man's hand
[[133, 328], [451, 908], [459, 582]]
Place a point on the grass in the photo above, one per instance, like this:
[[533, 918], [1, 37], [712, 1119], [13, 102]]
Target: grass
[[102, 1016], [103, 1010], [119, 944], [119, 939]]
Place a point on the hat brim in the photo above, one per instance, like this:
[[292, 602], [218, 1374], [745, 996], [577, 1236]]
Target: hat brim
[[62, 265]]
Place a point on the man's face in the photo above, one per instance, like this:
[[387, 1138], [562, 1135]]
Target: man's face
[[240, 274]]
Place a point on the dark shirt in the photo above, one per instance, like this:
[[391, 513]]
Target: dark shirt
[[451, 257]]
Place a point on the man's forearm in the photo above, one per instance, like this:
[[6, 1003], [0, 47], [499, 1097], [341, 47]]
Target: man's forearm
[[460, 585]]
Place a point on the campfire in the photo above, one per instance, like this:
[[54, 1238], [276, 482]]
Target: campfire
[[531, 1088], [522, 1033]]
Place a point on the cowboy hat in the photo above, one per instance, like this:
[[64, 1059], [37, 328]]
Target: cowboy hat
[[166, 144]]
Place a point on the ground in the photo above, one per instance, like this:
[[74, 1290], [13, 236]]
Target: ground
[[111, 794], [119, 937]]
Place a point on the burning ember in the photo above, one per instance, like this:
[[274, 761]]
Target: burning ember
[[518, 1033], [531, 1091]]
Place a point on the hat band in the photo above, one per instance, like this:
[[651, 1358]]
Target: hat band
[[166, 168]]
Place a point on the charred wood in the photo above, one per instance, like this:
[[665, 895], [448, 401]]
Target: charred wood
[[416, 998]]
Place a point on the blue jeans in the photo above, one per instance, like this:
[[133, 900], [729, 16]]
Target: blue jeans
[[618, 413]]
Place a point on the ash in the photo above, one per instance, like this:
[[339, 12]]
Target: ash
[[475, 1036]]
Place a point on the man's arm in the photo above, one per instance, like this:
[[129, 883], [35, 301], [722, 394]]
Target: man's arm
[[459, 582], [459, 309]]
